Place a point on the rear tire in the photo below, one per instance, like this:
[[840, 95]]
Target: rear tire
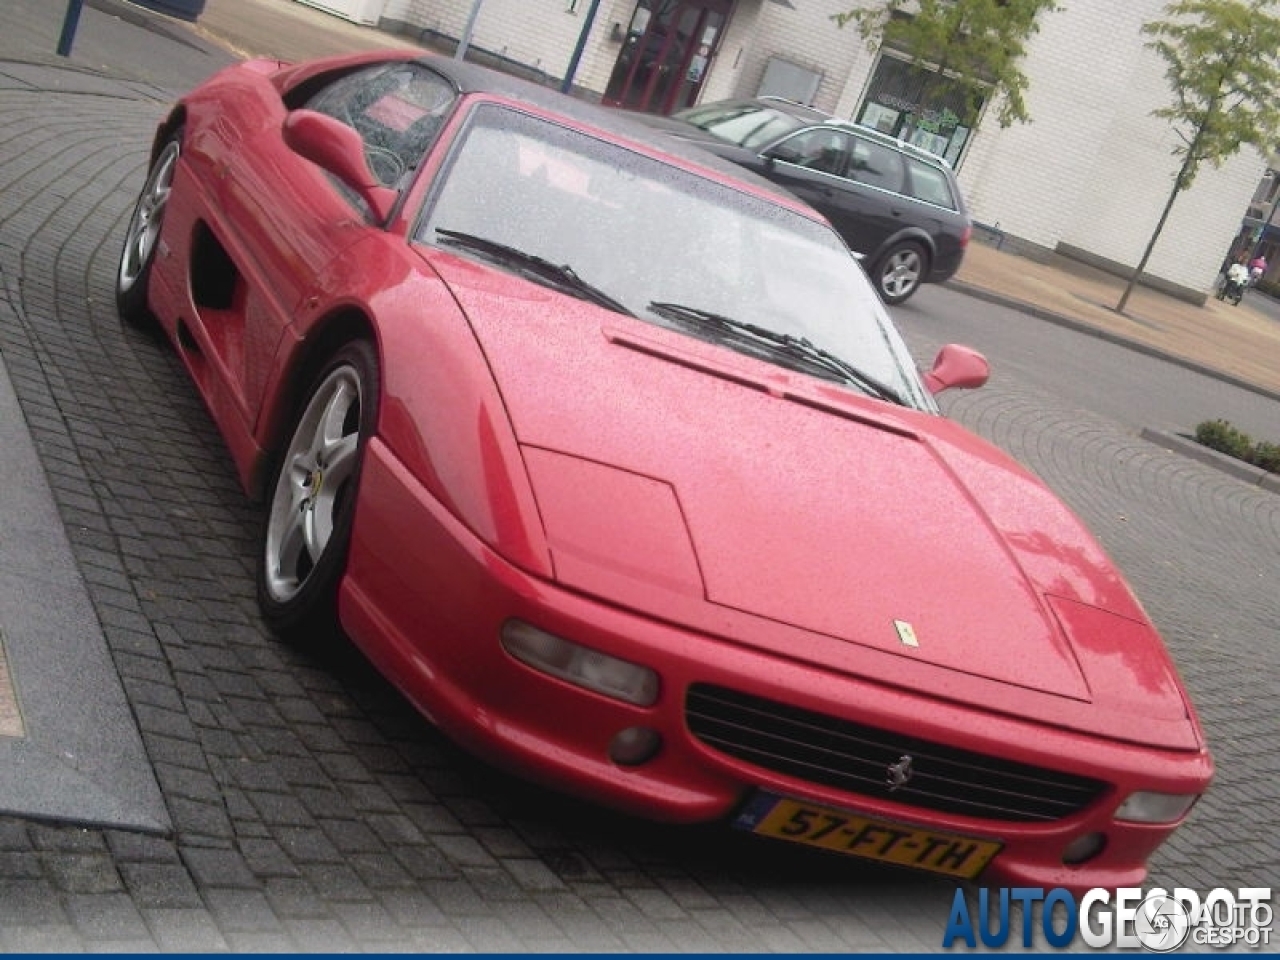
[[899, 273], [307, 533], [142, 239]]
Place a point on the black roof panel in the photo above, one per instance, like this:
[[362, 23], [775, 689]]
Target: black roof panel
[[473, 79]]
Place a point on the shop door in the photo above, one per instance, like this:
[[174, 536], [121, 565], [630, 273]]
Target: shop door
[[666, 53]]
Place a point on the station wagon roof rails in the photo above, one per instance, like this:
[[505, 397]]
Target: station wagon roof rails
[[882, 137], [777, 99]]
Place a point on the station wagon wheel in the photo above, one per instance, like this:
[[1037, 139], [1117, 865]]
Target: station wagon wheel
[[313, 492], [899, 272], [143, 235]]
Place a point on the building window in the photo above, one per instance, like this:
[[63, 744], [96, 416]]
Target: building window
[[920, 106]]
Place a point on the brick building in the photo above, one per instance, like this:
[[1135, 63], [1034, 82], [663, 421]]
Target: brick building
[[1088, 176]]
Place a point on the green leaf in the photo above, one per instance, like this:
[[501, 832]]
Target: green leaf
[[977, 44], [1222, 61]]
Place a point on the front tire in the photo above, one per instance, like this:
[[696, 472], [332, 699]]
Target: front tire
[[899, 273], [307, 533], [142, 239]]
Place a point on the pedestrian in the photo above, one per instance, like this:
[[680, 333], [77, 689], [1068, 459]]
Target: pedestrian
[[1257, 267], [1235, 282]]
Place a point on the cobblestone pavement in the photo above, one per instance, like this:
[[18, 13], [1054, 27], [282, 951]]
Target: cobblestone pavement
[[313, 810]]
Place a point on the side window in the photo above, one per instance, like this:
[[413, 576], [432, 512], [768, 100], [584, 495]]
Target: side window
[[876, 165], [816, 149], [929, 184], [398, 109]]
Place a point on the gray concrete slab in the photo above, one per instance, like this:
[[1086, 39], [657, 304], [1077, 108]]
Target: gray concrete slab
[[79, 757]]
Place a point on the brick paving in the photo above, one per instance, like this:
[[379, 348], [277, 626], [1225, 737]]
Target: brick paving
[[312, 809]]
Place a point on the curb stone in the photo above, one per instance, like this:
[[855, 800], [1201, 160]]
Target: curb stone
[[1195, 450]]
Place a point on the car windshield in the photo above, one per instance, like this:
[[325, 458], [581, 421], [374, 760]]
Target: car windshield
[[748, 125], [536, 197]]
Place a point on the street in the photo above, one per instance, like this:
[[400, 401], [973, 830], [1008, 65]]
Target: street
[[313, 809], [1136, 390]]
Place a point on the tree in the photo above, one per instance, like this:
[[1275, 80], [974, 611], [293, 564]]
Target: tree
[[976, 44], [1223, 60]]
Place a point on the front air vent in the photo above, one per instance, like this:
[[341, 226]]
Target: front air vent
[[855, 758]]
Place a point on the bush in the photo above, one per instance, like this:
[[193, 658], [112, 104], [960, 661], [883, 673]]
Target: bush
[[1222, 436], [1267, 456]]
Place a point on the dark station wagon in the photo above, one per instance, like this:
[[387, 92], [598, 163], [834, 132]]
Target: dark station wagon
[[896, 205]]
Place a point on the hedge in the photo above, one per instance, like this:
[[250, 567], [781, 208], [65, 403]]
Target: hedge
[[1222, 436]]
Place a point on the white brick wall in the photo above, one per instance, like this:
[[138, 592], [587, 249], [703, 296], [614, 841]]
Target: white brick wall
[[806, 36], [1093, 169], [1031, 177], [537, 33]]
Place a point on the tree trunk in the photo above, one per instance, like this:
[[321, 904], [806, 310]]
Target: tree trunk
[[1164, 215]]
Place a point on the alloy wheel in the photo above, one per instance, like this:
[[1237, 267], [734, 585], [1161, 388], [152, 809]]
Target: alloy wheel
[[148, 215], [314, 484], [901, 273]]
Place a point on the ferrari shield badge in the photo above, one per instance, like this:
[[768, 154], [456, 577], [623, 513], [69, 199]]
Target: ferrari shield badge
[[906, 633]]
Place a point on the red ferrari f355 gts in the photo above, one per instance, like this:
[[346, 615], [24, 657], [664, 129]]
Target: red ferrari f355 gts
[[608, 456]]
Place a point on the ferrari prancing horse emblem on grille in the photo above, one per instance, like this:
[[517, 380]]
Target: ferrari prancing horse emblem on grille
[[899, 773]]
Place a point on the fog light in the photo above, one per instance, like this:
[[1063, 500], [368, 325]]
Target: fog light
[[1083, 849], [634, 746], [580, 665], [1147, 806]]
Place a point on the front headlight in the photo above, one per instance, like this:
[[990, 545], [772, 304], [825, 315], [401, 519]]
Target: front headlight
[[580, 665], [1147, 806]]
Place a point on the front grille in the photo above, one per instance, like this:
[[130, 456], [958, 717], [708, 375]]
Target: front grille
[[855, 758]]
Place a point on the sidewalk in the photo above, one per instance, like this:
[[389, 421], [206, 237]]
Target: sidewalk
[[1239, 343]]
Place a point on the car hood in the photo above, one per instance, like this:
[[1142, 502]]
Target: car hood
[[680, 128], [683, 130], [693, 483]]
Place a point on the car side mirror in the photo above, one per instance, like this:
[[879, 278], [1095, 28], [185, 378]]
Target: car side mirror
[[957, 367], [333, 146]]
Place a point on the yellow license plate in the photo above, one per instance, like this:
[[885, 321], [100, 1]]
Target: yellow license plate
[[844, 832]]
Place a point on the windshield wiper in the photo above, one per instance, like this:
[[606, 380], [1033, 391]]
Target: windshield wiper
[[559, 275], [788, 345]]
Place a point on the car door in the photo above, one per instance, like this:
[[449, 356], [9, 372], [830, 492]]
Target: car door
[[813, 164], [294, 220], [274, 221], [809, 164], [874, 197], [938, 208]]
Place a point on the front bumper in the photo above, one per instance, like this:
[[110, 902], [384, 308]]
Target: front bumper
[[426, 600]]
